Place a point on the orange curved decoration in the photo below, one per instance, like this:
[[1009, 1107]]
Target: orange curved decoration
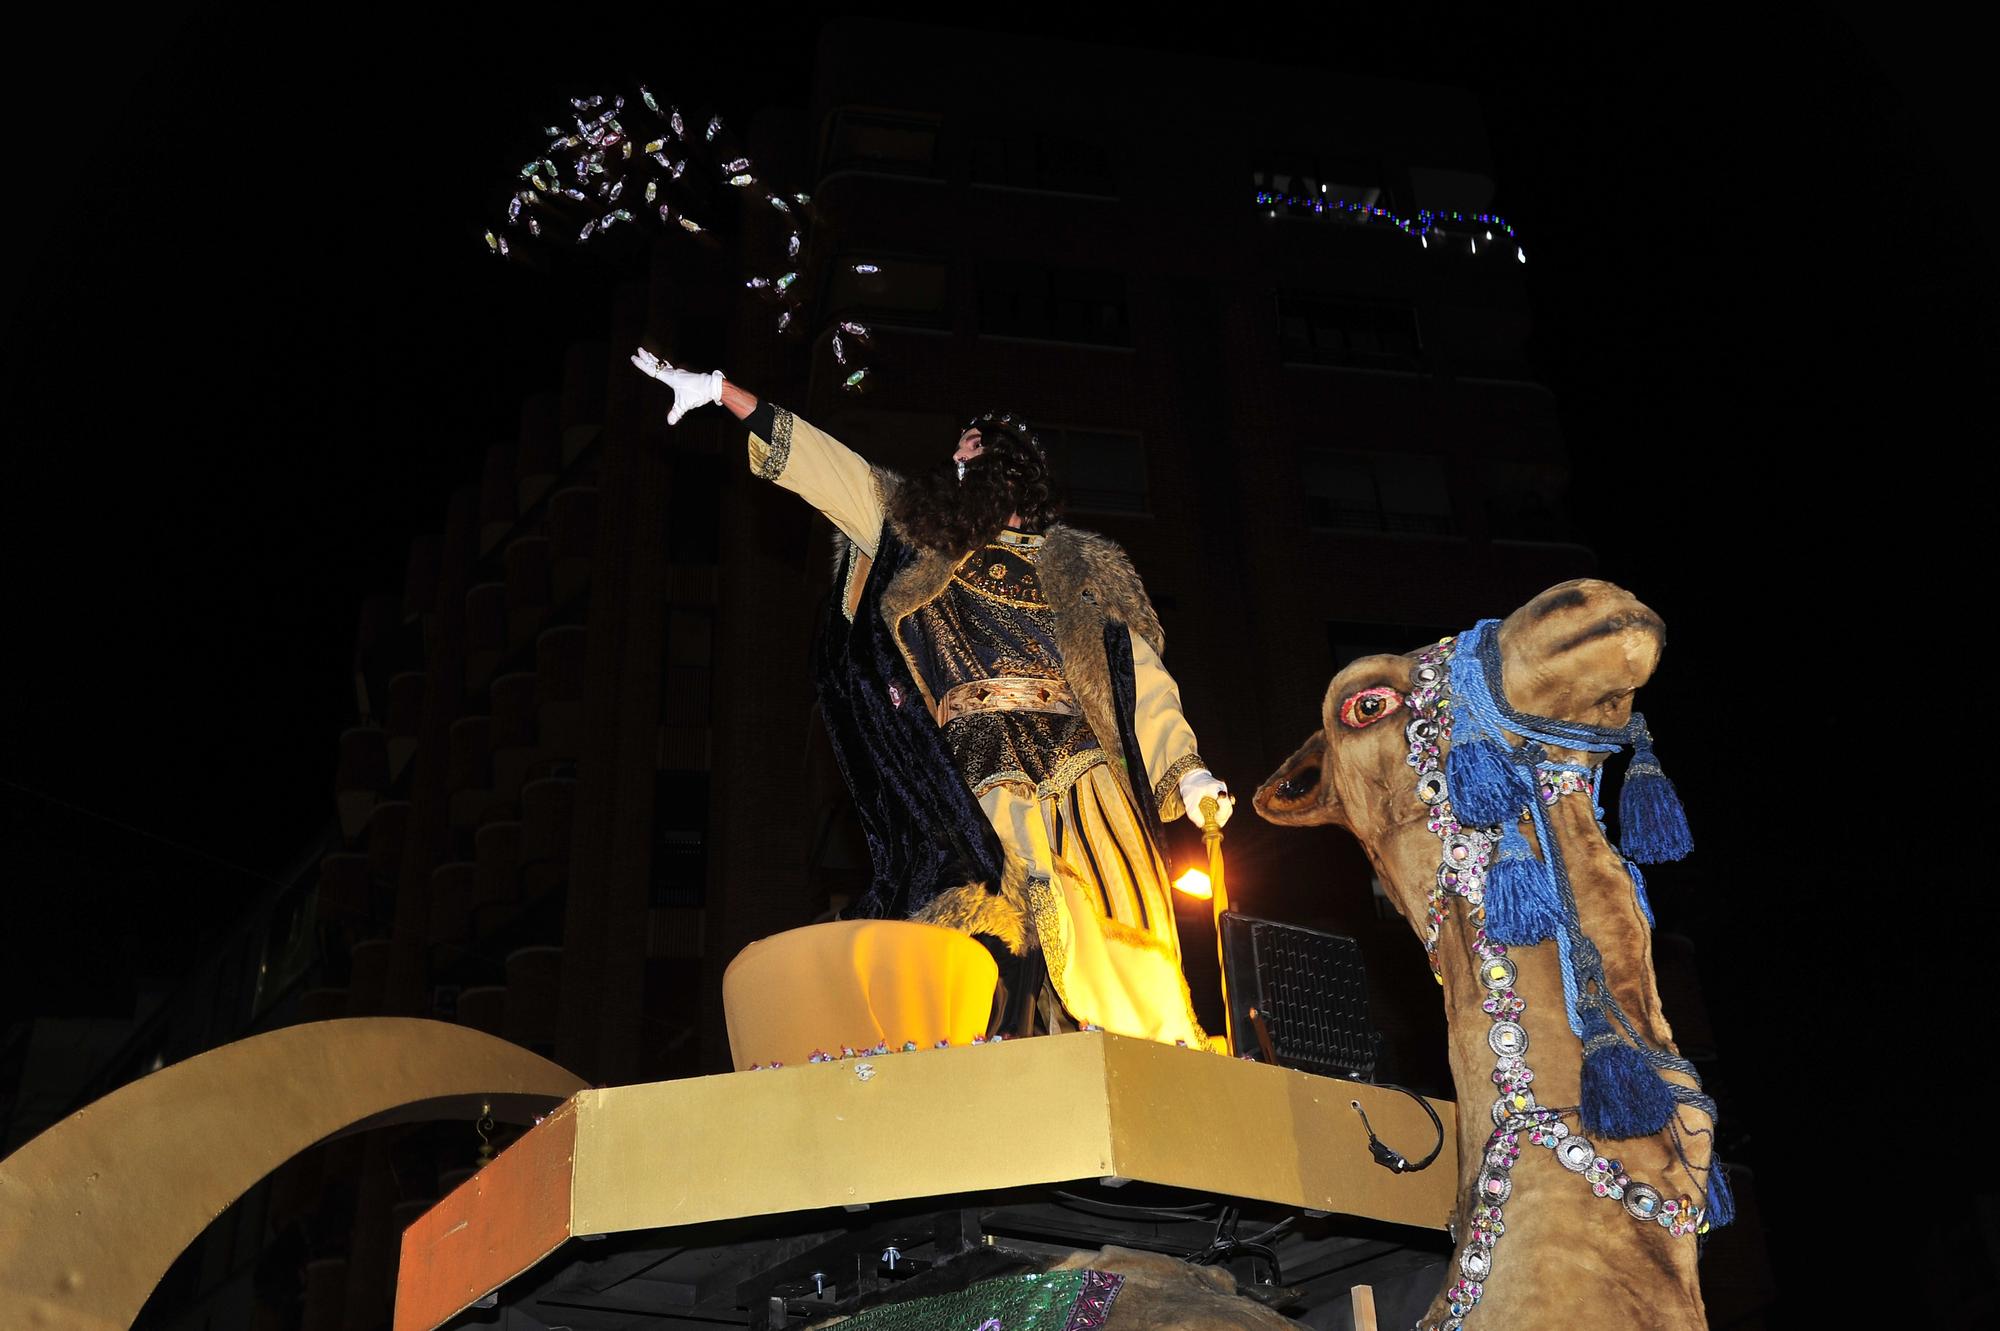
[[94, 1210]]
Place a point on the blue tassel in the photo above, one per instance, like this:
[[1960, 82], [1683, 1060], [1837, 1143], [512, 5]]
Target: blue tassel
[[1652, 825], [1520, 895], [1639, 891], [1721, 1201], [1622, 1095], [1484, 783]]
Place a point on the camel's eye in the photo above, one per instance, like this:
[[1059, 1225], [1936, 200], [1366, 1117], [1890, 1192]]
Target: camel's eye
[[1368, 706]]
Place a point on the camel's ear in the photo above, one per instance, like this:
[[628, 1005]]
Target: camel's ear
[[1299, 793]]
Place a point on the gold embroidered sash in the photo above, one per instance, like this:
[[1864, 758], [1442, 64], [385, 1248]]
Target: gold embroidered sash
[[1007, 694]]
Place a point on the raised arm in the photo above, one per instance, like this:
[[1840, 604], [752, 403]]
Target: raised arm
[[812, 464]]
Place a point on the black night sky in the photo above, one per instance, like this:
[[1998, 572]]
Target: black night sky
[[253, 340]]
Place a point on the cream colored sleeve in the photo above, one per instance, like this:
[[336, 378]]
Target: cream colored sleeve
[[1165, 739], [824, 472]]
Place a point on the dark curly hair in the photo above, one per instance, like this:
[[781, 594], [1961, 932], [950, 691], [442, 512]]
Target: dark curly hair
[[1010, 475]]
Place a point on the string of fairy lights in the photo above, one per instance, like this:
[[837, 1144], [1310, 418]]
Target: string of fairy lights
[[1434, 229], [639, 165]]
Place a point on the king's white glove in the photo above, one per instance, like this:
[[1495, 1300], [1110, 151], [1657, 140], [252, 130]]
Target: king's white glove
[[691, 390], [1202, 782]]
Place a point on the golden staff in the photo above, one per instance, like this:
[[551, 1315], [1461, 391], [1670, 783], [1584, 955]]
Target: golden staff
[[1217, 892]]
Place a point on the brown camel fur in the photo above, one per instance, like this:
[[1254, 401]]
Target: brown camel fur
[[1567, 1258]]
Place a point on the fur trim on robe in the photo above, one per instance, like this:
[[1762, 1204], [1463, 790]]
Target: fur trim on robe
[[975, 908]]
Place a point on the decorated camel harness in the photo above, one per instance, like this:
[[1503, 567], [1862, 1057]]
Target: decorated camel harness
[[1499, 886]]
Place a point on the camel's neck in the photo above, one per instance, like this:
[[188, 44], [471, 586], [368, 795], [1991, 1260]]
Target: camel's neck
[[1510, 1041]]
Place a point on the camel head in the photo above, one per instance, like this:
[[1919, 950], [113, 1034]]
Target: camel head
[[1578, 652]]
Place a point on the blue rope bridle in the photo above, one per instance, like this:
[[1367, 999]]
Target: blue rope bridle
[[1483, 713]]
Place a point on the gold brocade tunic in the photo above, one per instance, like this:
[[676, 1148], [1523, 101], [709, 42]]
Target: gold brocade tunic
[[993, 623]]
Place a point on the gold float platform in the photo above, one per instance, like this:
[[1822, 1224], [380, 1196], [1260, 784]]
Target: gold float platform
[[891, 1128]]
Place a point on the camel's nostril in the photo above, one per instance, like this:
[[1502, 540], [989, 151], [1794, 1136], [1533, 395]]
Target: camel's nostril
[[1298, 783]]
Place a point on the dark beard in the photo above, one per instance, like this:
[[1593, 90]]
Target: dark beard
[[942, 513]]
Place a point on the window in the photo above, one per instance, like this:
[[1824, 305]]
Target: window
[[685, 680], [1054, 304], [882, 141], [694, 509], [1099, 471], [1486, 342], [680, 839], [1527, 501], [1380, 492], [1363, 334], [685, 690], [1015, 158], [910, 291]]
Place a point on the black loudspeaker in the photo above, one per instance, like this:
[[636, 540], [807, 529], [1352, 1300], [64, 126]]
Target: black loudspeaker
[[1299, 997]]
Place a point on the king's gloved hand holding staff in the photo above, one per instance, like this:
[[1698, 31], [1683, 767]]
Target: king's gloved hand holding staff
[[991, 680]]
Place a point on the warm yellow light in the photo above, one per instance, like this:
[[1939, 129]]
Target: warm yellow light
[[1195, 883]]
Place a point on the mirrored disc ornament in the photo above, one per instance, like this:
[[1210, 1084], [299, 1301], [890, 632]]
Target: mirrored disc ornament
[[1576, 1154], [1497, 973], [1422, 731], [1431, 787], [1427, 675], [1507, 1039], [1513, 1107], [1476, 1262], [1642, 1201], [1494, 1186]]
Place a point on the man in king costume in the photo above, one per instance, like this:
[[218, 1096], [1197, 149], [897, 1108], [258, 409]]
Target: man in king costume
[[992, 684]]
